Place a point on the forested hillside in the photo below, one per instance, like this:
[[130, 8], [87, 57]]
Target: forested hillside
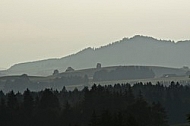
[[138, 50]]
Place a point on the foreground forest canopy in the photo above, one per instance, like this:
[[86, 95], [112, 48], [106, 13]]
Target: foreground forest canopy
[[118, 105]]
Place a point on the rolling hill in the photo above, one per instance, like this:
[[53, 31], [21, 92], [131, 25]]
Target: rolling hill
[[138, 50], [87, 77]]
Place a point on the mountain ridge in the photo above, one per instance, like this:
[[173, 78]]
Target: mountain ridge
[[140, 50]]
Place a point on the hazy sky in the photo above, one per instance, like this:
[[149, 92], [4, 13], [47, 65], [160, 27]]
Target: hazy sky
[[40, 29]]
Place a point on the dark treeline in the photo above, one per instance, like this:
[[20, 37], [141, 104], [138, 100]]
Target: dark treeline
[[118, 105], [124, 73], [100, 106]]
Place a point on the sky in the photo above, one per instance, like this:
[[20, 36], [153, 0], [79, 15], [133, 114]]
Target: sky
[[33, 30]]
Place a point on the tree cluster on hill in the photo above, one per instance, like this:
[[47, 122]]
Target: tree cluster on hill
[[124, 73], [99, 106]]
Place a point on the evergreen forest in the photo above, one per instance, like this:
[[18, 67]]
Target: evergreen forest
[[118, 105]]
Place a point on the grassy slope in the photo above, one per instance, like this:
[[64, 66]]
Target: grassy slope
[[158, 72]]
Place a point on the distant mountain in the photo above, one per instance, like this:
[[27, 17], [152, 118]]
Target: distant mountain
[[138, 50]]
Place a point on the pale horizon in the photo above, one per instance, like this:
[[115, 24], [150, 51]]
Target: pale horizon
[[37, 30]]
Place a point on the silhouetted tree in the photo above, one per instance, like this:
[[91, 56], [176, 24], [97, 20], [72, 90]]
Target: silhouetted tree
[[94, 120], [4, 116], [55, 72], [158, 115], [12, 108], [27, 108], [48, 110]]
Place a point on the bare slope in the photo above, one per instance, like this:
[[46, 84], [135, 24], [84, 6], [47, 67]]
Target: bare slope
[[139, 50]]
